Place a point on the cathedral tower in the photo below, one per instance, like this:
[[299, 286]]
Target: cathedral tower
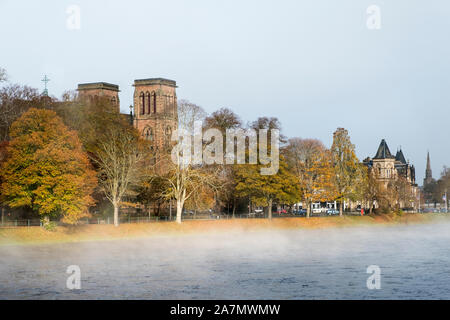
[[94, 91], [155, 110]]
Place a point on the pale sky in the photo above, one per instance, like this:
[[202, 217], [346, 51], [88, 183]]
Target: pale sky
[[313, 64]]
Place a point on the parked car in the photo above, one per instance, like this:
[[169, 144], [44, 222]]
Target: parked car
[[282, 211], [300, 212], [332, 212]]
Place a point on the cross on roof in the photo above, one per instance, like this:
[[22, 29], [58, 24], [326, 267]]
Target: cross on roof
[[45, 80]]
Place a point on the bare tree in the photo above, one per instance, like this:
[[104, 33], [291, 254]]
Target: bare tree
[[120, 159], [15, 100], [185, 178], [3, 75]]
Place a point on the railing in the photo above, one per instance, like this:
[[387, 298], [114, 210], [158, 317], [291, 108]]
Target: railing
[[14, 223]]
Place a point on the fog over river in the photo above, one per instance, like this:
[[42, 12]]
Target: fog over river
[[286, 264]]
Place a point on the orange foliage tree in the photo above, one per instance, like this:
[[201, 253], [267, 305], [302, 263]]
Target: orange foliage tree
[[46, 168], [310, 162]]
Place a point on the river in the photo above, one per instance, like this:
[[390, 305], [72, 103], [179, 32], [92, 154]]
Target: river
[[414, 261]]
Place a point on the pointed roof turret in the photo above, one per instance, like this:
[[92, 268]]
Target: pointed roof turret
[[400, 157], [383, 151]]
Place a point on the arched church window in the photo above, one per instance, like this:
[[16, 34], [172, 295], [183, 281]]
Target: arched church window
[[154, 102], [142, 102], [148, 134], [149, 103], [113, 101], [168, 133]]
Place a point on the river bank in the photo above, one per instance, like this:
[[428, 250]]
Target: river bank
[[37, 235]]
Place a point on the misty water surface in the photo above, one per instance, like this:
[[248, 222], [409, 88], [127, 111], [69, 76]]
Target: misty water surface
[[296, 264]]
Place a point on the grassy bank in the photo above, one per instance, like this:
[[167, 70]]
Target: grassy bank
[[37, 235]]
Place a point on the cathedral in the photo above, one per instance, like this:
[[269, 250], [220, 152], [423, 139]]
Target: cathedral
[[154, 110]]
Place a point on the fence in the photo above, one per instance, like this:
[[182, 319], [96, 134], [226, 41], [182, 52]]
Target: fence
[[6, 223]]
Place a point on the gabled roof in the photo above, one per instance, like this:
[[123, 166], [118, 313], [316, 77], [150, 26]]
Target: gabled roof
[[383, 151], [400, 157]]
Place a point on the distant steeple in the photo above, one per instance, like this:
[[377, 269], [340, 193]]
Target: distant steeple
[[428, 174], [383, 151]]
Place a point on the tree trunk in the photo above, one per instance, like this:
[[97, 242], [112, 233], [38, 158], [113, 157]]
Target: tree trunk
[[371, 208], [116, 214], [179, 210], [234, 208], [270, 210], [341, 208], [46, 221], [308, 210]]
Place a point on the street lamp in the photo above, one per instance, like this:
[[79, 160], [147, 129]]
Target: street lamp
[[131, 114]]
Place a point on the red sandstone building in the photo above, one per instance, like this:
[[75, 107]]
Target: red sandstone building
[[154, 107]]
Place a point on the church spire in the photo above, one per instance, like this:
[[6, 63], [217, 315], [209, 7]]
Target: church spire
[[428, 174]]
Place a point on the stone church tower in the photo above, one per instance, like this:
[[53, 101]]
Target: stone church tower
[[96, 90], [155, 107], [155, 111]]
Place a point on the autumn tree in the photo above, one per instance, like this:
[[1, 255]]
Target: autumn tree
[[442, 190], [223, 120], [46, 169], [400, 193], [372, 189], [89, 118], [347, 170], [311, 163], [267, 189], [151, 191]]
